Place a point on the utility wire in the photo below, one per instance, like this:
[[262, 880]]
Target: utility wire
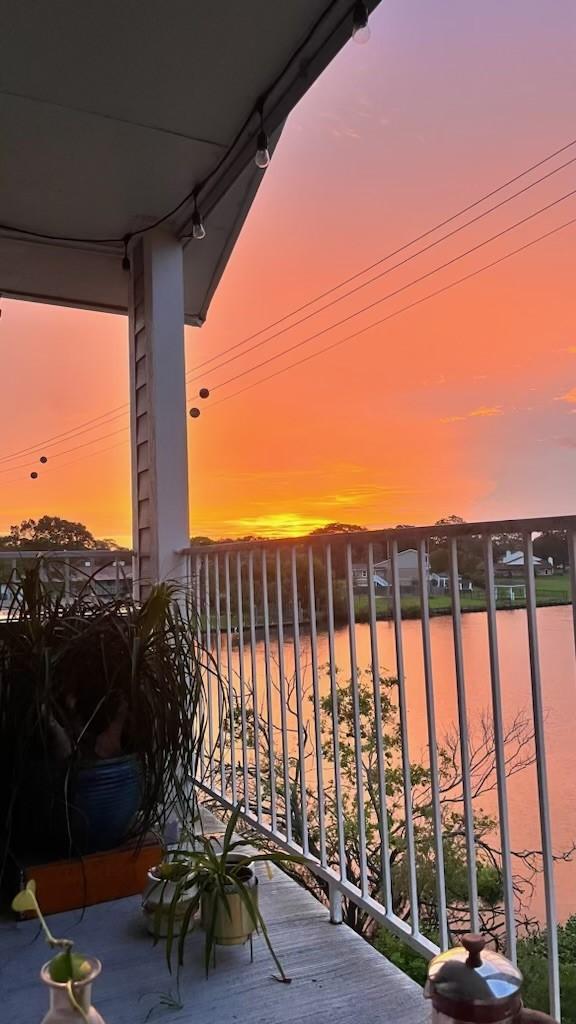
[[71, 462], [355, 334], [398, 312], [397, 291], [109, 415], [66, 435], [67, 451], [396, 252]]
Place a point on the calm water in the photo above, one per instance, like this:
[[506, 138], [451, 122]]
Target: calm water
[[556, 639]]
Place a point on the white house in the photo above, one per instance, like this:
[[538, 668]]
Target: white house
[[407, 563], [512, 564], [440, 581]]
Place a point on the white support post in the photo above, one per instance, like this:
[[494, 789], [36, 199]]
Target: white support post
[[160, 519]]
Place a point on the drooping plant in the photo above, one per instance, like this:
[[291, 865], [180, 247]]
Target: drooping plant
[[66, 968], [212, 874], [94, 678]]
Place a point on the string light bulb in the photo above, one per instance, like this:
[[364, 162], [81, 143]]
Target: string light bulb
[[198, 229], [43, 459], [34, 475], [262, 158], [204, 393], [360, 27], [194, 412]]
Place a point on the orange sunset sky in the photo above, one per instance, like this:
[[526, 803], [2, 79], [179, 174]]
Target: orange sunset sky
[[464, 404]]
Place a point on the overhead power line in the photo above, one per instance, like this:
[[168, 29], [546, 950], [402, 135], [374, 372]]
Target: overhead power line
[[400, 249], [57, 439], [26, 465], [361, 331], [71, 462], [110, 415], [399, 312], [397, 291]]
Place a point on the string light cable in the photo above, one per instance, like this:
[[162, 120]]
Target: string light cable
[[350, 16]]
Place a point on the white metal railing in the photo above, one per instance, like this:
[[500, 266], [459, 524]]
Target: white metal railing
[[110, 572], [314, 734]]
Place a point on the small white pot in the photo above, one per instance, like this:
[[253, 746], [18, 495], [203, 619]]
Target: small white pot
[[157, 901], [61, 1010]]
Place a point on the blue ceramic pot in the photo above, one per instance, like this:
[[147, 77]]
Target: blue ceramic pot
[[106, 798]]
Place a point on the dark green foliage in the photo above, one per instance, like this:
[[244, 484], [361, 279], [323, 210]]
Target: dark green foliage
[[95, 678], [52, 533], [412, 963], [533, 962]]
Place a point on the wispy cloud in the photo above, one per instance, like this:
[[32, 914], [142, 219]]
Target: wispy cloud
[[481, 412], [570, 396]]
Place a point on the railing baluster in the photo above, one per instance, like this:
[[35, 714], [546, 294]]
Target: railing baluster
[[386, 879], [571, 539], [403, 715], [464, 738], [357, 724], [335, 713], [219, 694], [240, 610], [316, 704], [542, 776], [299, 716], [208, 672], [282, 691], [432, 745], [254, 672], [317, 831], [269, 694], [231, 693], [500, 753], [204, 694]]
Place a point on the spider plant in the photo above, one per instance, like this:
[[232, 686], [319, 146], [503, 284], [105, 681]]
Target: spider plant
[[219, 874], [87, 682]]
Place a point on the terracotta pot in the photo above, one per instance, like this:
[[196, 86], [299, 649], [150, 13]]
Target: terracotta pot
[[61, 1010]]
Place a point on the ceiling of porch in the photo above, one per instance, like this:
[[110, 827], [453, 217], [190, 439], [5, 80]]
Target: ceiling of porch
[[112, 114]]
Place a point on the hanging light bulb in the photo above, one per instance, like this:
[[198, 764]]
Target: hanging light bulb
[[198, 229], [262, 158], [194, 412], [360, 27], [204, 393]]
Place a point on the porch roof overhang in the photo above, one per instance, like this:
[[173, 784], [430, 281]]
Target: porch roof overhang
[[112, 114]]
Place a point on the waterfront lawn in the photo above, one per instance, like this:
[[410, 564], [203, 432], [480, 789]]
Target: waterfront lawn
[[550, 590]]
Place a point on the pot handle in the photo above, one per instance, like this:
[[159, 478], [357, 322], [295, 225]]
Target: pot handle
[[534, 1017]]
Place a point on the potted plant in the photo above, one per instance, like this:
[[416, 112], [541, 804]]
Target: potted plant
[[68, 975], [167, 896], [100, 716], [221, 884]]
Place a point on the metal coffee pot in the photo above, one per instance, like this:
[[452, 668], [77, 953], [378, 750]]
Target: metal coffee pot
[[474, 985]]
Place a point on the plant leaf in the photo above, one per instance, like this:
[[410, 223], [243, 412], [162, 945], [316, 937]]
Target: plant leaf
[[24, 901]]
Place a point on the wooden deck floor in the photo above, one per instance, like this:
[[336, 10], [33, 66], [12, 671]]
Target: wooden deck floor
[[337, 978]]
